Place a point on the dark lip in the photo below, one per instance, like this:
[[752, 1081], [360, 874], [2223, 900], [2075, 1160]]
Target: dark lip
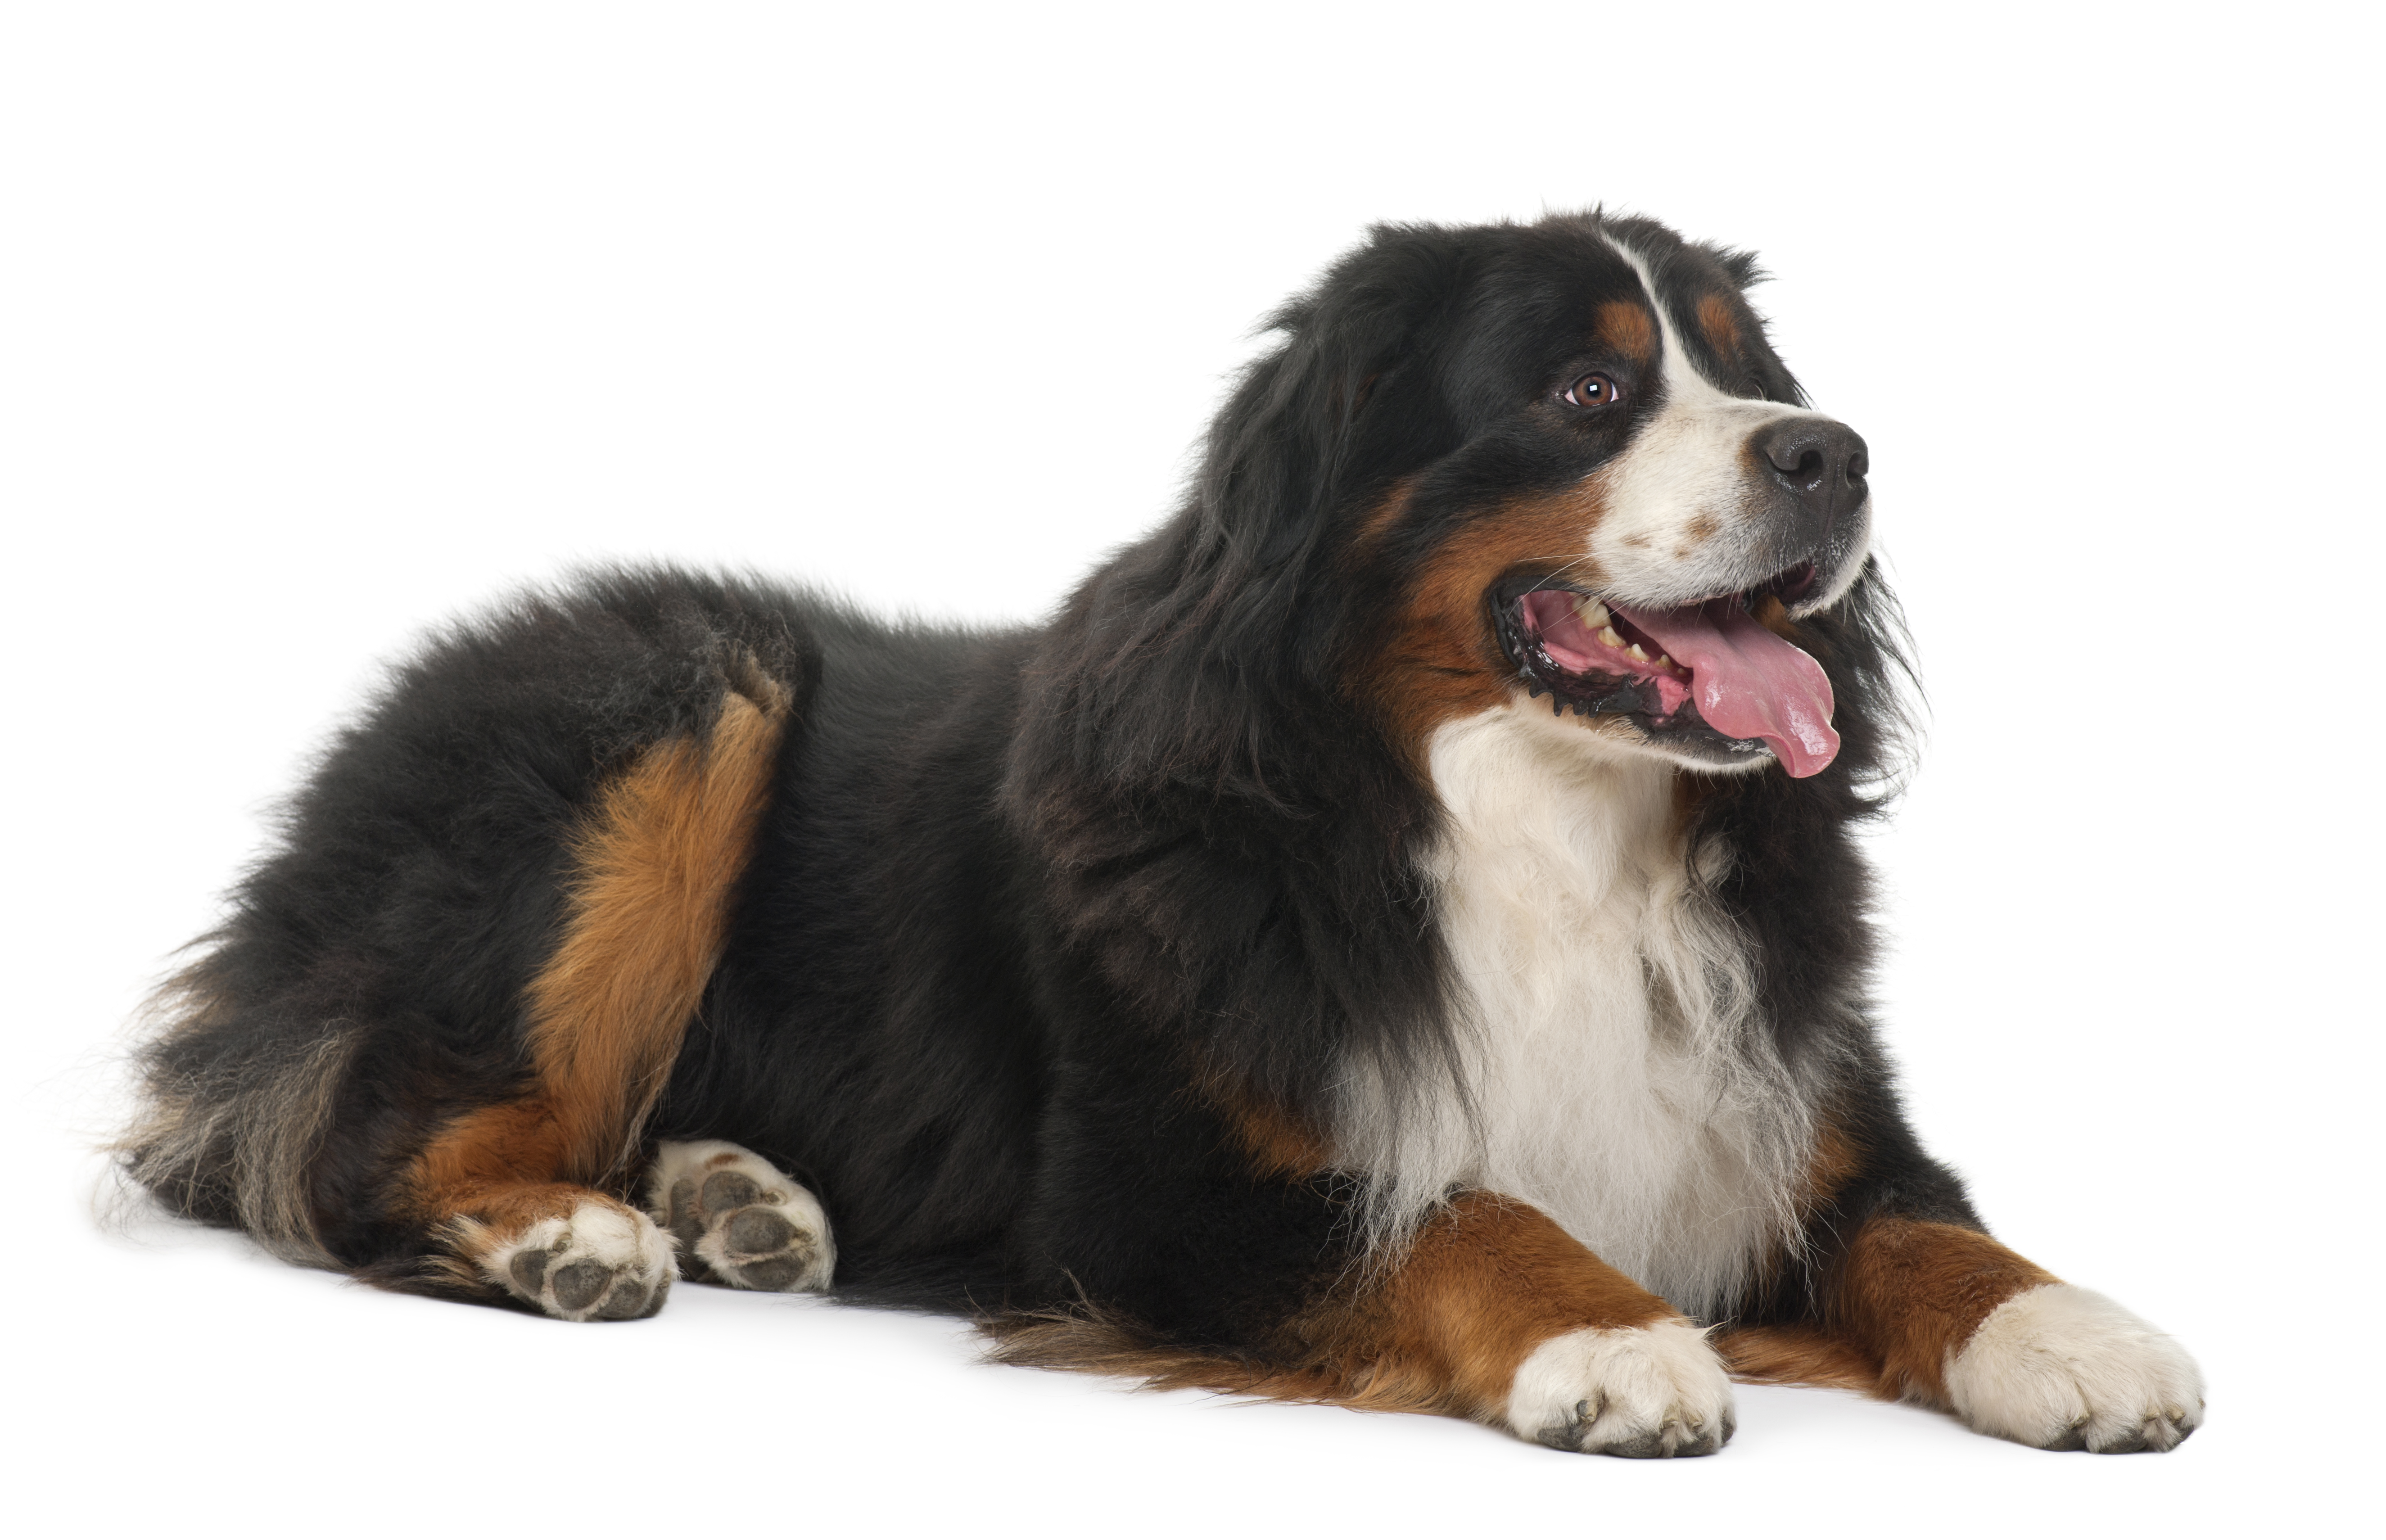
[[1594, 694]]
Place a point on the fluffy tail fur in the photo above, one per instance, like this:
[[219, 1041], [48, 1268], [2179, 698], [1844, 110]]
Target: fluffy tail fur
[[233, 1111]]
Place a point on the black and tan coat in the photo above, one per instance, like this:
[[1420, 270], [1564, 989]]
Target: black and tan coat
[[1307, 964]]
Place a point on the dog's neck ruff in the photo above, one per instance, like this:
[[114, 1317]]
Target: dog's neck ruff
[[1616, 1071]]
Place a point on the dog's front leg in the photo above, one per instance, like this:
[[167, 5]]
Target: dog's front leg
[[1958, 1320], [1496, 1313], [1215, 1245]]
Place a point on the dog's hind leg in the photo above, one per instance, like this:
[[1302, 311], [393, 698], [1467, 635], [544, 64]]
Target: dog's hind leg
[[527, 1198], [738, 1219]]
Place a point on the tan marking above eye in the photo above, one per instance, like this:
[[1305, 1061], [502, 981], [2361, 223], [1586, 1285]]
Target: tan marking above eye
[[1721, 327], [1625, 327]]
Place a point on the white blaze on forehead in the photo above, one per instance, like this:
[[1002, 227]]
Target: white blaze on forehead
[[1677, 503]]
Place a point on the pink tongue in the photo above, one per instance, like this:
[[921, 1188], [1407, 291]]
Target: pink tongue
[[1749, 683]]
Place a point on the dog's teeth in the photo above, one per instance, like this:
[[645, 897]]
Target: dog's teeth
[[1665, 662], [1609, 636], [1593, 613], [1633, 653]]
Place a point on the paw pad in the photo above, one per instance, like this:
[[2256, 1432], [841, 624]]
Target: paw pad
[[740, 1222], [602, 1263]]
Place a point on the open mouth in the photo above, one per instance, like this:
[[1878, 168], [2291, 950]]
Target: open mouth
[[1707, 678]]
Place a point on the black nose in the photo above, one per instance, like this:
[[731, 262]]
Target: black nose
[[1822, 465]]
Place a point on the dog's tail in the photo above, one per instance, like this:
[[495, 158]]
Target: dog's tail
[[236, 1103]]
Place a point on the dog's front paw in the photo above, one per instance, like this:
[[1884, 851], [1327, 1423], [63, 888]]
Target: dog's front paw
[[2062, 1367], [1643, 1392]]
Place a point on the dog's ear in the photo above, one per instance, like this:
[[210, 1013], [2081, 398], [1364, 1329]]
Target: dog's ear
[[1204, 655], [1288, 449]]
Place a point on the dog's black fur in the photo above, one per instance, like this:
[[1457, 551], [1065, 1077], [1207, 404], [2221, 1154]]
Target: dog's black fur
[[1021, 895]]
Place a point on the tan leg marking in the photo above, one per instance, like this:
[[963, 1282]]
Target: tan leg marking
[[1945, 1316], [657, 862], [1484, 1283], [1912, 1291], [1906, 1293]]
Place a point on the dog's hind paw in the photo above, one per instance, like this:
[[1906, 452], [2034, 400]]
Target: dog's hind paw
[[601, 1261], [1643, 1392], [739, 1220], [2062, 1367]]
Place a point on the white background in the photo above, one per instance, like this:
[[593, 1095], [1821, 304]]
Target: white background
[[320, 324]]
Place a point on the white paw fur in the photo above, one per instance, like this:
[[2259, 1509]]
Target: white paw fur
[[2062, 1367], [1641, 1392], [604, 1262], [739, 1220]]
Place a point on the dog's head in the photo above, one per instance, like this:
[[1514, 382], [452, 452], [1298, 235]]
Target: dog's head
[[1554, 470], [1567, 467]]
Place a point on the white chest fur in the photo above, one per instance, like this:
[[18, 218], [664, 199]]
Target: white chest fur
[[1614, 1077]]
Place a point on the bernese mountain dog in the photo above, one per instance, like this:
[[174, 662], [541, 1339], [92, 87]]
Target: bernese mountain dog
[[1394, 938]]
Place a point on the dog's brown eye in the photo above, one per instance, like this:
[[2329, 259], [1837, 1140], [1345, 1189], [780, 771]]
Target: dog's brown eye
[[1593, 390]]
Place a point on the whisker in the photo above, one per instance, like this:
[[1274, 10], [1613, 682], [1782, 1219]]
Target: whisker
[[1567, 568]]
